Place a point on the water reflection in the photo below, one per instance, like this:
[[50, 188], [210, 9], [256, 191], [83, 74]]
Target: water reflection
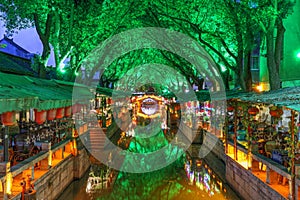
[[193, 180], [203, 178]]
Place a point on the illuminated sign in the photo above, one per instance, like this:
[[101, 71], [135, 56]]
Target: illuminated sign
[[149, 106]]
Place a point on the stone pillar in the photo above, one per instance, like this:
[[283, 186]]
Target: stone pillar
[[249, 160], [296, 190], [59, 154], [47, 162], [268, 176], [290, 189], [271, 176], [8, 182], [68, 147], [32, 172], [44, 164], [75, 150], [254, 165]]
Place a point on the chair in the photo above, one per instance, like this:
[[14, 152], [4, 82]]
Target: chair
[[22, 156], [12, 157], [269, 146]]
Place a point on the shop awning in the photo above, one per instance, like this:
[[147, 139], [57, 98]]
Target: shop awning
[[16, 100], [287, 97], [77, 92], [22, 92]]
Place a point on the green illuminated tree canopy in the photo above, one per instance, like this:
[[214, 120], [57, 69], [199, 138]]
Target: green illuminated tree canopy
[[229, 30]]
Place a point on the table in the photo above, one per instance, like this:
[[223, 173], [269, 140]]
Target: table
[[43, 145], [279, 155]]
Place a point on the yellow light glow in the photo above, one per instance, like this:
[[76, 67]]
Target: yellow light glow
[[50, 158], [9, 181], [148, 116], [74, 152], [259, 88]]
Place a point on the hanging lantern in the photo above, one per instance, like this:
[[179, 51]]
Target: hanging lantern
[[8, 118], [60, 113], [68, 111], [78, 107], [253, 111], [51, 114], [74, 109], [40, 116], [230, 108], [208, 105], [189, 104], [276, 113], [177, 106]]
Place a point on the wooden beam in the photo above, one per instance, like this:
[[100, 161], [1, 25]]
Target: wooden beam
[[293, 197], [235, 130]]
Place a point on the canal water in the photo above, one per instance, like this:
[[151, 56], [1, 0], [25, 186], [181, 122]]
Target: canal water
[[192, 180]]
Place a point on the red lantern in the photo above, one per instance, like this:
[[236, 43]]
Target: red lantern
[[40, 116], [74, 109], [51, 114], [8, 118], [189, 104], [276, 113], [68, 111], [60, 113], [253, 111], [177, 106], [230, 108]]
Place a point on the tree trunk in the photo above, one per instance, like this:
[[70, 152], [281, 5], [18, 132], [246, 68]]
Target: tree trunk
[[55, 44], [44, 37], [279, 47], [240, 71], [247, 72], [225, 76], [274, 78]]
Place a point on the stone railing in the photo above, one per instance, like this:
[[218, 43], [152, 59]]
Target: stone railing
[[247, 184], [46, 165]]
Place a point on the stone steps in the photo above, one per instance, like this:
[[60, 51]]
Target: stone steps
[[97, 138]]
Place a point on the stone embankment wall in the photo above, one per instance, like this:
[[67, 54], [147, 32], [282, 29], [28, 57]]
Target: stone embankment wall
[[247, 185], [56, 180], [214, 144]]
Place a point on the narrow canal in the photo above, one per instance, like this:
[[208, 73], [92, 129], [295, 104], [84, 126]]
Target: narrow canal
[[184, 178], [196, 181]]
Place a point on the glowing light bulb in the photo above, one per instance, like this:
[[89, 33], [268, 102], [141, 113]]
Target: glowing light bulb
[[259, 88]]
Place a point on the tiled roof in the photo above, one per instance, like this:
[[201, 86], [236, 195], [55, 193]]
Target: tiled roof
[[14, 44], [16, 65]]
